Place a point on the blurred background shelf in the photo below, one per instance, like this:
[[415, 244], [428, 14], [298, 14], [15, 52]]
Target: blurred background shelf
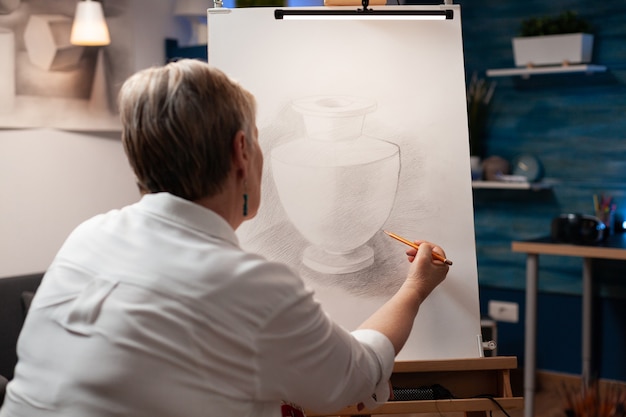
[[509, 185], [558, 69]]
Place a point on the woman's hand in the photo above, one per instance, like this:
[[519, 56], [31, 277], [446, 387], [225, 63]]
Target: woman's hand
[[395, 317], [426, 272]]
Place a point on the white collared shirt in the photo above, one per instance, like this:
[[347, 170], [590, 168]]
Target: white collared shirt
[[154, 310]]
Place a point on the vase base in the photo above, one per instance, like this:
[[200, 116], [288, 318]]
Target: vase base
[[338, 263]]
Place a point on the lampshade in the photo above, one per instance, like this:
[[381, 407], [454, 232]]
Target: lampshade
[[89, 28], [191, 7]]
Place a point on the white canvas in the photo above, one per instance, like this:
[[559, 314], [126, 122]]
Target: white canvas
[[363, 126]]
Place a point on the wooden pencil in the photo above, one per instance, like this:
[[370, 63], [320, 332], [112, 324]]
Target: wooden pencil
[[416, 246]]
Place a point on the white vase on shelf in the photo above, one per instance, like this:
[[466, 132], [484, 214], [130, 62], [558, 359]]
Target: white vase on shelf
[[336, 184], [476, 166]]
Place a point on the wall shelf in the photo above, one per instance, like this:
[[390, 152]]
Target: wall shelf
[[509, 185], [526, 72]]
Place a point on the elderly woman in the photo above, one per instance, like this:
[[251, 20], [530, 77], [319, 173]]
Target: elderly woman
[[154, 310]]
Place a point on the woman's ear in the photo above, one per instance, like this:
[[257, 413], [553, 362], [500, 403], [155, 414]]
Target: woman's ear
[[241, 153]]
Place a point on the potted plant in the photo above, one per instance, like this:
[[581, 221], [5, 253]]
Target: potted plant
[[596, 402], [479, 99], [553, 40]]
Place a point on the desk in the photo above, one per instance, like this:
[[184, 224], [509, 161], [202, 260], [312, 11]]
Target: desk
[[613, 248]]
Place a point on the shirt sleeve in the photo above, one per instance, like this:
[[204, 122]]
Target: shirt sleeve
[[382, 347], [307, 359]]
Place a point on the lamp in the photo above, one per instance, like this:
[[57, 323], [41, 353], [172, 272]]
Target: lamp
[[195, 11], [362, 14], [90, 29]]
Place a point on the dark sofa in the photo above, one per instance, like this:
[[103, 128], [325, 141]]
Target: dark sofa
[[15, 296]]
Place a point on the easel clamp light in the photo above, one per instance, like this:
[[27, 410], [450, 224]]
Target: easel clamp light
[[362, 14]]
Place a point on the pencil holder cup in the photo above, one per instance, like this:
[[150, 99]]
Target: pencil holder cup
[[607, 216], [336, 184]]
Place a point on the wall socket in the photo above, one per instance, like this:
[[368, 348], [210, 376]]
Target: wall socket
[[504, 311]]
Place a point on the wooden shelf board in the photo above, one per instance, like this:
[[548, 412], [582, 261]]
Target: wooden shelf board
[[436, 406], [452, 365], [559, 69], [510, 185]]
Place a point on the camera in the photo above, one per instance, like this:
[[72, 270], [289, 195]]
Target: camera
[[578, 229]]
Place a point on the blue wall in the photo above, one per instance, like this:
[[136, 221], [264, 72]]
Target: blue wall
[[576, 125], [559, 334]]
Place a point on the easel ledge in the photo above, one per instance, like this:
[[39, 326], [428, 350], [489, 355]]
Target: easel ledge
[[466, 379]]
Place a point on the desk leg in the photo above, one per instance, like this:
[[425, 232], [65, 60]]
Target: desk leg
[[587, 301], [530, 344]]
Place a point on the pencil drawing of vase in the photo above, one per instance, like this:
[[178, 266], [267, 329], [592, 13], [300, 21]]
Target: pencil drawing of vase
[[336, 184]]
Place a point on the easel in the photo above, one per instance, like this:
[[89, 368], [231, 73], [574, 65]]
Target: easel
[[420, 121], [469, 380]]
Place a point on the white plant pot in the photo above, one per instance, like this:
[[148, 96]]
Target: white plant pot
[[574, 48]]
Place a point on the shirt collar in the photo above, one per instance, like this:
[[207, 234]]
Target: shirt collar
[[188, 214]]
